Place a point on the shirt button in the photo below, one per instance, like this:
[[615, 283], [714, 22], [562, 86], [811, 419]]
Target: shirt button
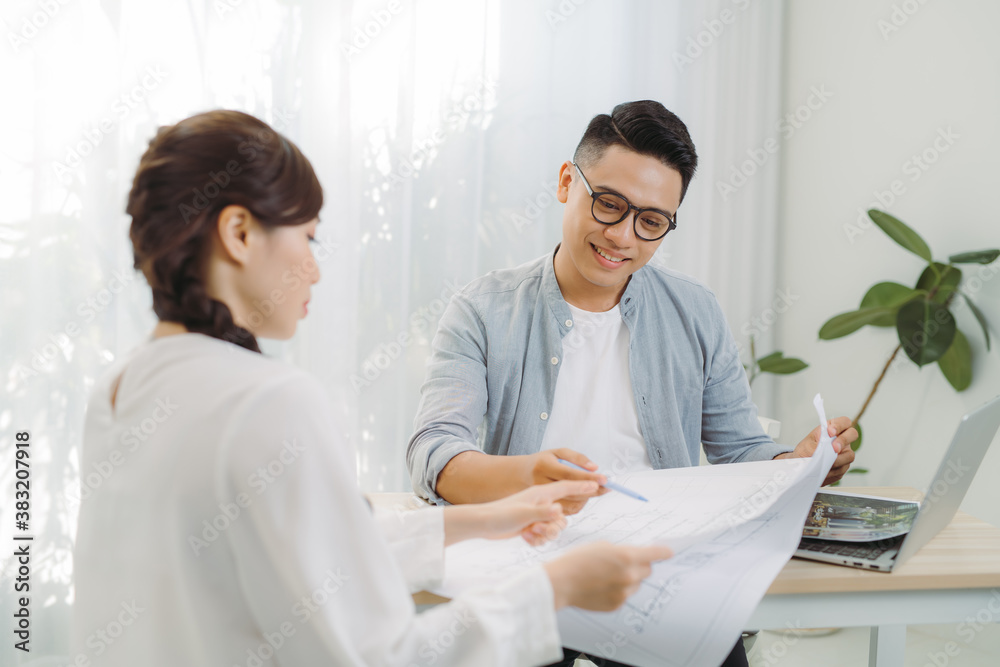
[[544, 416], [569, 323], [555, 360]]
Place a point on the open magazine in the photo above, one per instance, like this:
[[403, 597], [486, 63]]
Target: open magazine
[[853, 518]]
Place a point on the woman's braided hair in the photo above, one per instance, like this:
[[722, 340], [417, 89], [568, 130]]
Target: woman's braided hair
[[189, 173]]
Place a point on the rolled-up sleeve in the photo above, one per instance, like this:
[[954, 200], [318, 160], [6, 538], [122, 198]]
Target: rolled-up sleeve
[[730, 430], [453, 398]]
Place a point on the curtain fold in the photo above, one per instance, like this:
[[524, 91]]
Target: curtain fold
[[437, 130]]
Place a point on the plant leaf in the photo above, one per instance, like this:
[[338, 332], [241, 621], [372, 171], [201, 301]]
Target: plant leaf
[[975, 257], [887, 295], [900, 233], [782, 366], [950, 277], [926, 330], [956, 363], [979, 317], [847, 323], [856, 445], [857, 471], [769, 357]]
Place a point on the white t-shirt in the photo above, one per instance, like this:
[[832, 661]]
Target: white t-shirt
[[593, 411], [220, 524]]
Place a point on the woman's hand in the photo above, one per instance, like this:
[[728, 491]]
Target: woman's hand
[[534, 513], [600, 576]]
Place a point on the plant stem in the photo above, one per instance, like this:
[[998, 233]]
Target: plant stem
[[877, 382]]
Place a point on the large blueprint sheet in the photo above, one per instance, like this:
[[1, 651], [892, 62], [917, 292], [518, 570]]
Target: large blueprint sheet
[[732, 527]]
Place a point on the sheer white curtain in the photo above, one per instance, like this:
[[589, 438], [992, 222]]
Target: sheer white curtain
[[437, 129]]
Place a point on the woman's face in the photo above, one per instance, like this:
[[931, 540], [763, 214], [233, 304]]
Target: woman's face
[[276, 280]]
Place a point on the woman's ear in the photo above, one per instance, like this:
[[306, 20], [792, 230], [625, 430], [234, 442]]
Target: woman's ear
[[234, 226]]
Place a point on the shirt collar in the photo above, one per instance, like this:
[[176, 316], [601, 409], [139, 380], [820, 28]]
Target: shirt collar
[[559, 307]]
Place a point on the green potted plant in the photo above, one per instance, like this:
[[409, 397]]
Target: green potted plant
[[921, 315]]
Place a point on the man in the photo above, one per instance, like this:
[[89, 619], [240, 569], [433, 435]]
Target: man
[[587, 354]]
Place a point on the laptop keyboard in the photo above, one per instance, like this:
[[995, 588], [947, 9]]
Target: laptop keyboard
[[865, 550]]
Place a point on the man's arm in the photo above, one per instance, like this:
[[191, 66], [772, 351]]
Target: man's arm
[[444, 461], [730, 430], [453, 400], [475, 477]]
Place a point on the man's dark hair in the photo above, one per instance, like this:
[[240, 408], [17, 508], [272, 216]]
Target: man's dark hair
[[645, 127]]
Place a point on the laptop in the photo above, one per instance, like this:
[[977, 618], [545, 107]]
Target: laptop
[[901, 527]]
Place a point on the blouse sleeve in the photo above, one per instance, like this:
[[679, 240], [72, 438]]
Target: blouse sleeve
[[416, 540], [318, 576]]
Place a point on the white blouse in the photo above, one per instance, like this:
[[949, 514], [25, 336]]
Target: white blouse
[[221, 524]]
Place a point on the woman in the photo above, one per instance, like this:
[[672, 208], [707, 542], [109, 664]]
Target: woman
[[228, 529]]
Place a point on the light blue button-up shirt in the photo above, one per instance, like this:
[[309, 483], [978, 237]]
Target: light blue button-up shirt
[[490, 380]]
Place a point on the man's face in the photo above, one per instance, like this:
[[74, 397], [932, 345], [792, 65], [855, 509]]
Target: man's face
[[599, 256]]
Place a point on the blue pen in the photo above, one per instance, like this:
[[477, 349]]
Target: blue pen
[[611, 485]]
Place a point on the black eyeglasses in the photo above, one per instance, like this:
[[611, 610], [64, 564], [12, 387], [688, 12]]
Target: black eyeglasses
[[609, 208]]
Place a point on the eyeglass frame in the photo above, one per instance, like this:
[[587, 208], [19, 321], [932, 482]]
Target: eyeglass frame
[[672, 219]]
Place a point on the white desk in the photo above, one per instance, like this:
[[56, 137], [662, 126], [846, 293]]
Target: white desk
[[955, 576]]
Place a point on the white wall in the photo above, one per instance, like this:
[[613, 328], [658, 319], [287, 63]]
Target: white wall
[[892, 92]]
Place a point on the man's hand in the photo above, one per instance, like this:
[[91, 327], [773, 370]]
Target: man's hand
[[844, 434], [544, 467]]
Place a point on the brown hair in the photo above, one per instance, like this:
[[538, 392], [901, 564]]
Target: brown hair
[[189, 173]]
